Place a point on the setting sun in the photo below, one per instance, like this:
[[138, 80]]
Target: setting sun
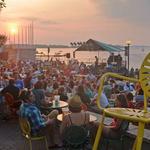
[[13, 28]]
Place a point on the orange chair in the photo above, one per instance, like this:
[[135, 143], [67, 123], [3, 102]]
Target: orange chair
[[11, 104]]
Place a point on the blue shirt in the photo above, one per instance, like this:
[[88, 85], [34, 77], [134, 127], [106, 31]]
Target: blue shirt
[[128, 88], [33, 115], [19, 83], [104, 101]]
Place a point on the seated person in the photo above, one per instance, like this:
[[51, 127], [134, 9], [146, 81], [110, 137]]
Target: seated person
[[12, 89], [128, 87], [81, 93], [40, 124], [13, 103], [39, 94], [103, 100], [114, 129], [129, 97], [19, 82], [49, 89], [139, 99], [62, 93], [140, 96], [76, 116], [89, 91]]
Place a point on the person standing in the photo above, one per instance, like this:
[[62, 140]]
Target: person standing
[[96, 64]]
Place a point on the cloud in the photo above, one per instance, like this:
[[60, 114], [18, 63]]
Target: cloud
[[133, 11]]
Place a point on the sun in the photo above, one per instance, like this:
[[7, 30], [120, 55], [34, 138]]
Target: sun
[[13, 28]]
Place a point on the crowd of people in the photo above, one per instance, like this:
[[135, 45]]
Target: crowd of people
[[34, 84]]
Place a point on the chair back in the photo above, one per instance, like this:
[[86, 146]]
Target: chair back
[[75, 135], [145, 79], [124, 126], [25, 127], [9, 99]]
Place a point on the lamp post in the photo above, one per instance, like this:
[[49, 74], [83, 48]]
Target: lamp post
[[128, 52], [48, 51]]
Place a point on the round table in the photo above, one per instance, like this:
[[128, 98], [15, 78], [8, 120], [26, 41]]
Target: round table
[[92, 117], [61, 104]]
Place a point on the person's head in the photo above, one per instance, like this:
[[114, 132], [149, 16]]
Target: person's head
[[71, 84], [55, 85], [129, 96], [121, 101], [80, 89], [38, 85], [11, 82], [140, 92], [75, 104], [61, 90], [27, 96]]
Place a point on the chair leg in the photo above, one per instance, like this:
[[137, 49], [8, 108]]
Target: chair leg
[[140, 135], [107, 145], [99, 133], [122, 144], [134, 145], [30, 144], [46, 144]]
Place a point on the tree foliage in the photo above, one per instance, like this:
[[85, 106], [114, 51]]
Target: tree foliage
[[3, 39], [2, 4]]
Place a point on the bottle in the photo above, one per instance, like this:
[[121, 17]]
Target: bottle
[[56, 102], [57, 97]]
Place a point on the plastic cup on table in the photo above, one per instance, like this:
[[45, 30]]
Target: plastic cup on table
[[57, 97]]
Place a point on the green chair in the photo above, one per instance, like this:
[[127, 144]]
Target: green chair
[[75, 137], [26, 132]]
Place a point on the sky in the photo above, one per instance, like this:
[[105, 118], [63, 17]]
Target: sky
[[65, 21]]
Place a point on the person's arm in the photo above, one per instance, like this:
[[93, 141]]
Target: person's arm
[[3, 91], [37, 120], [64, 124]]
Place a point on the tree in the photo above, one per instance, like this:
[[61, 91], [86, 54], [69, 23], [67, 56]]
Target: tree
[[3, 39], [71, 43], [2, 4], [75, 44]]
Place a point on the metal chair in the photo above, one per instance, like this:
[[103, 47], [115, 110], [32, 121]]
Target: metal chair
[[26, 132], [11, 104], [133, 115]]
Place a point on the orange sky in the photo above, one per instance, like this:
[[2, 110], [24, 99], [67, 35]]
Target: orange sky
[[65, 21]]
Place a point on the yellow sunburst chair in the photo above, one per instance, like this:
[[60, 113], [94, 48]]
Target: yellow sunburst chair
[[136, 115]]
